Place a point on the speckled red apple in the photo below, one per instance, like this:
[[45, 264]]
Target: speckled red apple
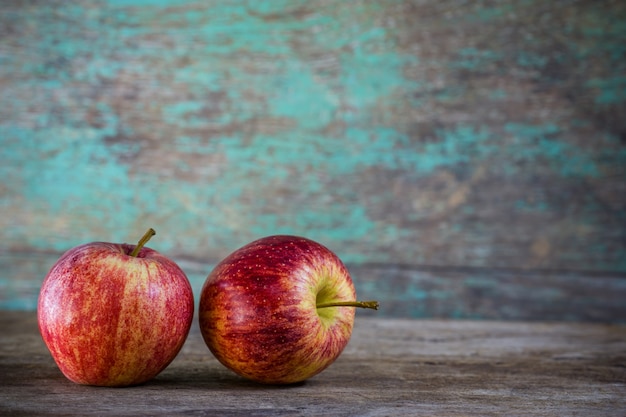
[[114, 314], [278, 310]]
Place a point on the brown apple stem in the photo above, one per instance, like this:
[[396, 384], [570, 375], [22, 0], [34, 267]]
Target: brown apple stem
[[362, 304], [146, 237]]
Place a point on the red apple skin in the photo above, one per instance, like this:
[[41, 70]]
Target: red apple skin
[[258, 312], [111, 319]]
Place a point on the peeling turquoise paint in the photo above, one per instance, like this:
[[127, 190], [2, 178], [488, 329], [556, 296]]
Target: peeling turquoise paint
[[70, 177], [533, 142], [146, 3], [456, 146], [297, 95], [531, 59], [610, 90], [476, 59], [224, 121], [270, 159], [536, 206], [498, 94]]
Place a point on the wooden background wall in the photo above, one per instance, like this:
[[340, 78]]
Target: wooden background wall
[[465, 158]]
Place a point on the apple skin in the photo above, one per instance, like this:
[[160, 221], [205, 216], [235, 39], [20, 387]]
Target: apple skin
[[111, 319], [258, 314]]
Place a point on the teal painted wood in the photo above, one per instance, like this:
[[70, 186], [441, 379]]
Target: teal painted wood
[[441, 133], [409, 291]]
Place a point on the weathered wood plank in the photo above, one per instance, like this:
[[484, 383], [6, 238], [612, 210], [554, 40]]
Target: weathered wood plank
[[496, 294], [407, 291], [423, 133], [390, 367]]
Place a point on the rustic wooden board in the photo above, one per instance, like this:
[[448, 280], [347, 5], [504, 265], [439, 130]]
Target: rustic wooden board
[[412, 292], [390, 367], [422, 133]]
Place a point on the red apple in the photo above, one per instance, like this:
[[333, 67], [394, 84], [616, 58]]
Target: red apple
[[114, 314], [278, 310]]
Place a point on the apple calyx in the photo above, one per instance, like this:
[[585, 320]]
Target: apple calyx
[[362, 304], [144, 239]]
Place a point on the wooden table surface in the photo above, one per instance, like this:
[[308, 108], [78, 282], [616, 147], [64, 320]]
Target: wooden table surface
[[391, 367]]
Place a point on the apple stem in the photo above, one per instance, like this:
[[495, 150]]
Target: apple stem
[[362, 304], [146, 237]]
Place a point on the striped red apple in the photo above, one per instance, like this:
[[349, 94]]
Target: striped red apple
[[278, 310], [114, 314]]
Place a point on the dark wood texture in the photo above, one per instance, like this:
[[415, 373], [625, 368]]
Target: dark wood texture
[[410, 291], [472, 147], [390, 368]]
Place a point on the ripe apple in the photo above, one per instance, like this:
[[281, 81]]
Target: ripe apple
[[279, 310], [114, 314]]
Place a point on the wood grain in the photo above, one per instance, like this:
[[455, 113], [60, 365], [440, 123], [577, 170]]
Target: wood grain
[[390, 367], [450, 134], [407, 291]]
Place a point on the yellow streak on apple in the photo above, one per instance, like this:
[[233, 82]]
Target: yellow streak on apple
[[132, 314]]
